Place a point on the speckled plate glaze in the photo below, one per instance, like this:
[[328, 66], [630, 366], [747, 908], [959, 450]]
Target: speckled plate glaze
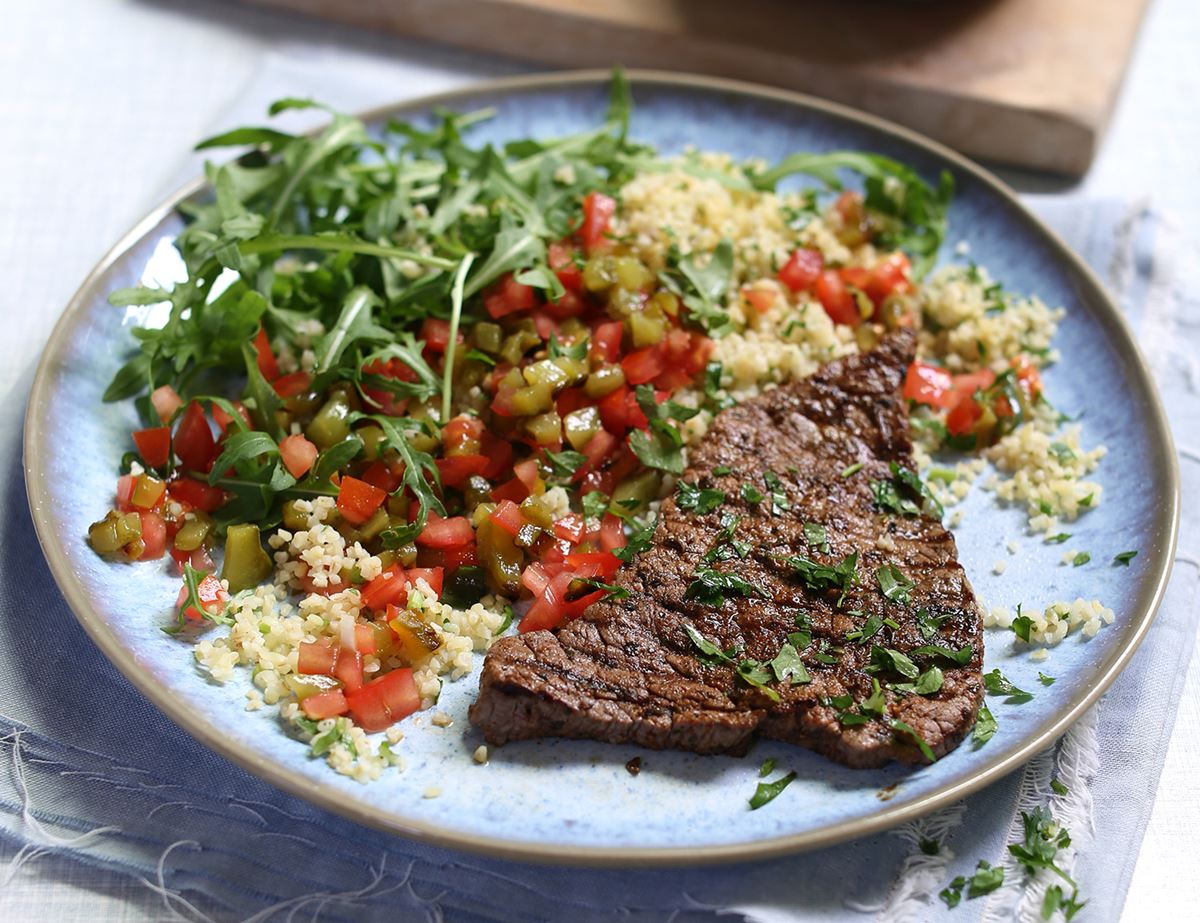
[[566, 801]]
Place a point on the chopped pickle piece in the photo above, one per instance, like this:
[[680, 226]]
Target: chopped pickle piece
[[415, 640], [193, 532], [331, 424], [579, 426], [545, 428], [246, 563], [500, 558], [604, 380], [102, 536], [487, 337], [293, 519], [302, 685], [634, 494], [147, 491]]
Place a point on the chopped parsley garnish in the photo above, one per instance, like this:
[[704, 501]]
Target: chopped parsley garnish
[[852, 469], [757, 674], [788, 667], [1058, 539], [752, 494], [929, 847], [985, 880], [816, 576], [1124, 558], [865, 632], [753, 672], [985, 727], [662, 446], [900, 729], [962, 656], [767, 767], [1022, 625], [894, 584], [1046, 680], [823, 655], [726, 547], [929, 682], [930, 624], [886, 660], [714, 400], [564, 464], [1087, 501], [779, 500], [640, 539], [722, 470], [699, 500], [1044, 837], [802, 637], [614, 592], [594, 504], [1056, 900], [1062, 452], [712, 587], [815, 535], [997, 684], [1080, 559], [905, 494], [702, 288], [767, 792]]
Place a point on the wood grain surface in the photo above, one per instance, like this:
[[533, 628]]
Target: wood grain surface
[[1024, 82]]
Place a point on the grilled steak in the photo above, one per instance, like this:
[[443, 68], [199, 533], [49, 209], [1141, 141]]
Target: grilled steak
[[660, 666]]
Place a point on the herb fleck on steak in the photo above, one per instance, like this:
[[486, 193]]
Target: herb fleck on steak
[[631, 670]]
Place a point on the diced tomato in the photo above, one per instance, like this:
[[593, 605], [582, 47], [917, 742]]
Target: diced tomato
[[673, 378], [508, 296], [966, 385], [836, 299], [348, 668], [298, 455], [1028, 376], [194, 443], [929, 384], [290, 385], [598, 210], [154, 445], [364, 638], [266, 357], [891, 275], [570, 304], [154, 535], [196, 494], [544, 325], [535, 577], [462, 435], [963, 417], [389, 588], [316, 658], [197, 559], [436, 334], [612, 532], [561, 257], [759, 299], [384, 701], [378, 474], [513, 490], [165, 401], [446, 533], [389, 403], [460, 556], [125, 485], [802, 270], [457, 469], [357, 500], [598, 448], [212, 596], [432, 576], [606, 340], [224, 420], [325, 705], [569, 528], [603, 562], [508, 516], [613, 412], [528, 473], [499, 453], [643, 365], [548, 609]]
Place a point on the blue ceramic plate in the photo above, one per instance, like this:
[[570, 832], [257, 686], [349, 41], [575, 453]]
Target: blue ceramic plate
[[567, 801]]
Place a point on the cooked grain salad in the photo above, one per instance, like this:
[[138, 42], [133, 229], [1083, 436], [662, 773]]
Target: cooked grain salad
[[419, 391]]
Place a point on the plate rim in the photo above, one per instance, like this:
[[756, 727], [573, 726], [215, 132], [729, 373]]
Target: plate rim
[[281, 776]]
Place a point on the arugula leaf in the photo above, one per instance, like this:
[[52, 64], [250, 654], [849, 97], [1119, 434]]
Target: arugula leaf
[[191, 584], [767, 792], [850, 470], [262, 401], [420, 476], [456, 306], [752, 494], [240, 448]]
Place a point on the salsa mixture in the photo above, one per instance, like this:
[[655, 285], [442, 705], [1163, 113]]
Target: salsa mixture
[[409, 384]]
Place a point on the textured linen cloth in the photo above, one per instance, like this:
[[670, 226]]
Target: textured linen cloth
[[90, 769]]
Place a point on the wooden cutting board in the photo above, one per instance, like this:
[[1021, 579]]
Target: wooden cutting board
[[1023, 82]]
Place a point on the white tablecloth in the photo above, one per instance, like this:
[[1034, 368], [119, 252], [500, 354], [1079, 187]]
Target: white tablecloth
[[101, 99]]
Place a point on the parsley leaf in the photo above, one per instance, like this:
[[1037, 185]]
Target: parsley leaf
[[702, 288], [905, 494], [594, 504], [894, 584], [997, 684], [788, 666], [815, 535], [1124, 558], [985, 727], [962, 656], [884, 659], [1080, 559], [985, 880], [1046, 680], [641, 537], [699, 500], [823, 577], [712, 587], [752, 494], [767, 792]]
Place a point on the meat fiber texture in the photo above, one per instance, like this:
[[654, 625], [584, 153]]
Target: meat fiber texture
[[628, 671]]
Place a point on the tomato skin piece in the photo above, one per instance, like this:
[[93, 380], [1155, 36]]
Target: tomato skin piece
[[316, 658], [325, 705], [378, 474], [348, 668], [963, 417], [513, 489], [196, 494], [598, 448], [836, 299], [966, 385], [929, 384], [384, 701], [802, 270], [561, 257], [446, 533], [499, 453], [508, 296], [194, 443], [598, 210], [165, 401], [605, 563], [457, 469], [528, 473], [298, 455], [357, 500], [291, 384], [613, 410], [571, 304], [643, 365], [1028, 376], [154, 445], [508, 516]]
